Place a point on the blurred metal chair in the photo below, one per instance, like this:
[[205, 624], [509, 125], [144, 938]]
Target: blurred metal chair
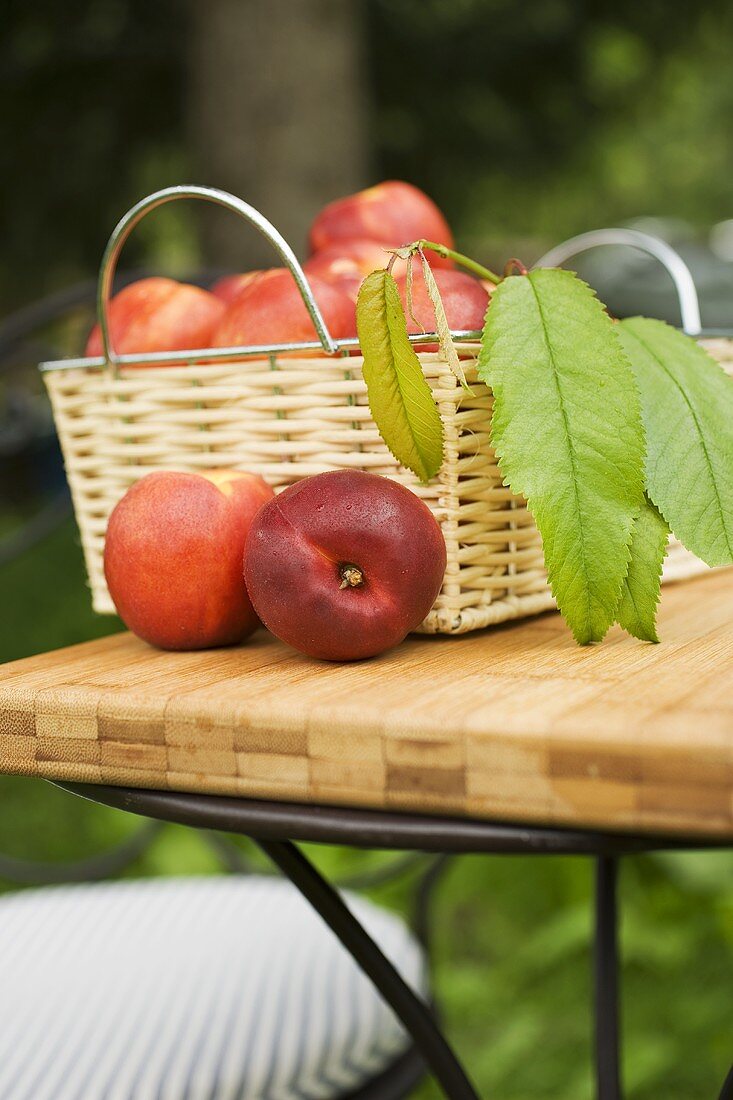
[[209, 988]]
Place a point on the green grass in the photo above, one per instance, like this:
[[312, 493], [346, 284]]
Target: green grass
[[512, 934]]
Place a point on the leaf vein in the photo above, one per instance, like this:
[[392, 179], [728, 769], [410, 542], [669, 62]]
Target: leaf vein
[[570, 447]]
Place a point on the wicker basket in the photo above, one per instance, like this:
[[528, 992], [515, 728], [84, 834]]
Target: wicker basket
[[287, 417]]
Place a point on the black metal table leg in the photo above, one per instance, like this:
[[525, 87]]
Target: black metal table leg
[[274, 825], [727, 1093], [410, 1009], [606, 997]]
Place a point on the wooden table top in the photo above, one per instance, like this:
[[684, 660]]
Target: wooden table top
[[513, 723]]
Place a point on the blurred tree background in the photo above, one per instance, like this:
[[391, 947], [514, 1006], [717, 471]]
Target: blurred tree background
[[527, 123]]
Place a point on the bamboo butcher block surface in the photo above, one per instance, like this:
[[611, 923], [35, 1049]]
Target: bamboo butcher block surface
[[512, 723]]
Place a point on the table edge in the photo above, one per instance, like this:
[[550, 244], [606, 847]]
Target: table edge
[[370, 828]]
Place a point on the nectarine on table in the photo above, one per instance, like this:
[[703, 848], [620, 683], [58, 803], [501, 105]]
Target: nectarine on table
[[270, 310], [343, 565], [173, 557], [159, 315], [394, 213]]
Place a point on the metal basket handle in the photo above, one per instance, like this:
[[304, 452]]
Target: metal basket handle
[[222, 198], [653, 246]]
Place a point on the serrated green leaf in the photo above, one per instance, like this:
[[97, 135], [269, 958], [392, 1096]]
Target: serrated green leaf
[[400, 398], [567, 432], [637, 610], [445, 340], [687, 407]]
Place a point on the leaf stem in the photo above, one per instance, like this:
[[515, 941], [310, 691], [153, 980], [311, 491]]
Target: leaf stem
[[514, 265], [459, 258]]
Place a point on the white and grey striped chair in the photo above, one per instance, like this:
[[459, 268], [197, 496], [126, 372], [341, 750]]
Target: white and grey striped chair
[[209, 988]]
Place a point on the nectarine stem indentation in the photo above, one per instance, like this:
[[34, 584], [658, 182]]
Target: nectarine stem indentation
[[351, 575]]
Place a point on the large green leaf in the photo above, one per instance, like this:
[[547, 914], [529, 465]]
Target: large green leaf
[[687, 406], [400, 399], [637, 609], [567, 432]]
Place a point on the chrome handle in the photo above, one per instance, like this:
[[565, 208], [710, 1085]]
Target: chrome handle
[[222, 198], [653, 246]]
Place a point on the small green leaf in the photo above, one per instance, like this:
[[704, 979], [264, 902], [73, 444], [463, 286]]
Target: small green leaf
[[637, 610], [442, 327], [567, 432], [687, 407], [400, 399]]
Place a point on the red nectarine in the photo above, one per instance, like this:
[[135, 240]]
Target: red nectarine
[[464, 299], [159, 315], [347, 264], [393, 213], [344, 564], [230, 286], [173, 557], [271, 311]]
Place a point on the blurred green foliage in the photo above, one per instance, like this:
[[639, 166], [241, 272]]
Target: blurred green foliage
[[527, 123], [97, 119], [562, 115]]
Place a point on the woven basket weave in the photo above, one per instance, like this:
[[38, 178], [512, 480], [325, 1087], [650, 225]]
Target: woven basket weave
[[287, 418]]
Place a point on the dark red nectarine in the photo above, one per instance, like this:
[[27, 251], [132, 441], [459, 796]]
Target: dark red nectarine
[[159, 315], [344, 565], [393, 213], [270, 310], [173, 557]]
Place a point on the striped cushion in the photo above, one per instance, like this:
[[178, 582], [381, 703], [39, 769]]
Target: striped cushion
[[189, 989]]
